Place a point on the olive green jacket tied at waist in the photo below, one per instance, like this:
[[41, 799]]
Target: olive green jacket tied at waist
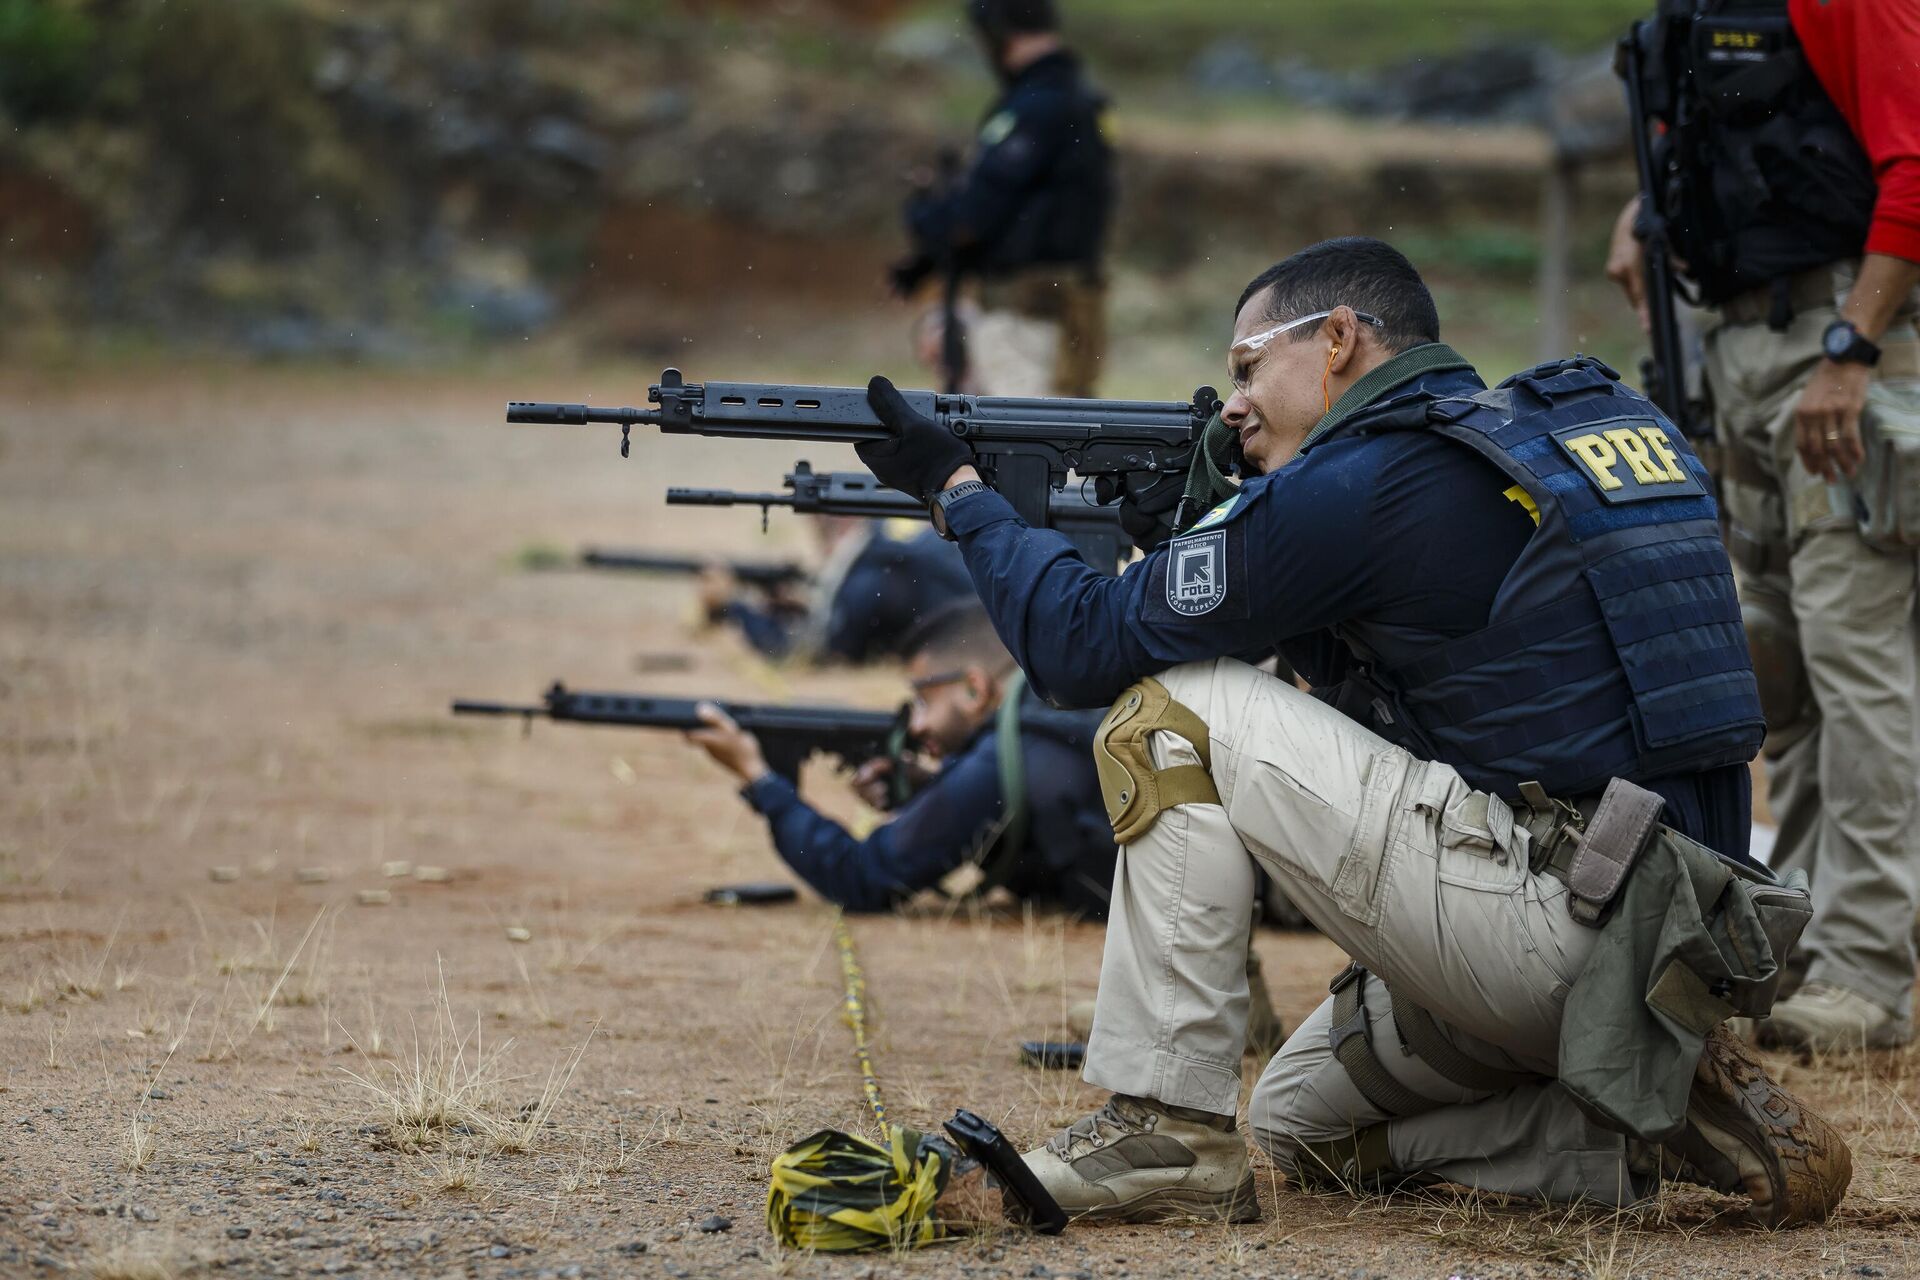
[[1693, 940]]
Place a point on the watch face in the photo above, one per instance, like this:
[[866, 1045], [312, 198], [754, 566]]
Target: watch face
[[1838, 340]]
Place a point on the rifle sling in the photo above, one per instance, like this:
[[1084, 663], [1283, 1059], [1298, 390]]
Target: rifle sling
[[1000, 858]]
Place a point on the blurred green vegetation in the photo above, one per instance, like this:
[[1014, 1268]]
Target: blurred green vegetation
[[1344, 34], [45, 49]]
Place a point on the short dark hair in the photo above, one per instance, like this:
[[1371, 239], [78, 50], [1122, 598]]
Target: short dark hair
[[956, 634], [1002, 18], [1361, 272]]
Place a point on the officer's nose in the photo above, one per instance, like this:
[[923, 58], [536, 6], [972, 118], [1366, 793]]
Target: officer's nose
[[1235, 410]]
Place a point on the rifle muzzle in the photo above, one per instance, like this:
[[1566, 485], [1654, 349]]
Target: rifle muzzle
[[544, 413]]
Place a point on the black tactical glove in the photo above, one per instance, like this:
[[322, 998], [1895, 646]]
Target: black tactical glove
[[920, 455], [1148, 501]]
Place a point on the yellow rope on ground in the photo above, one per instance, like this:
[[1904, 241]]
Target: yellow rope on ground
[[834, 1192], [855, 1015]]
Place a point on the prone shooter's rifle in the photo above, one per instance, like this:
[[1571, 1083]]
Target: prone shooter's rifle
[[1092, 528], [1024, 447], [787, 735], [762, 575]]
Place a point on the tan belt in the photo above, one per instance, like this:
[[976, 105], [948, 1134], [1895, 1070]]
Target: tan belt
[[1807, 290]]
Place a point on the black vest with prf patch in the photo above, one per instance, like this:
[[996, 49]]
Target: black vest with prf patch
[[1614, 647], [1763, 176]]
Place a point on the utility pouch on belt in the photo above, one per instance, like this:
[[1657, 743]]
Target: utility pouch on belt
[[1889, 480], [1612, 842], [1692, 939], [1134, 791]]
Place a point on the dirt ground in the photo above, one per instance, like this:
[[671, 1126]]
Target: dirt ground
[[233, 609]]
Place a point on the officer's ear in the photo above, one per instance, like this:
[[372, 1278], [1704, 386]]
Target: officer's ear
[[981, 686], [1343, 339]]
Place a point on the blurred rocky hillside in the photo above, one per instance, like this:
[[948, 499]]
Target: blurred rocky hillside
[[396, 178]]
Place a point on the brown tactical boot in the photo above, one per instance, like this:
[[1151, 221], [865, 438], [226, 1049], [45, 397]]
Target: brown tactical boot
[[1137, 1160], [1745, 1135]]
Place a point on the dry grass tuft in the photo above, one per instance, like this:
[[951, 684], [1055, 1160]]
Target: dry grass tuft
[[521, 1133], [447, 1081], [138, 1260], [453, 1173]]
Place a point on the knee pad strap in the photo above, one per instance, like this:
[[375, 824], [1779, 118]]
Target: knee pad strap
[[1135, 792]]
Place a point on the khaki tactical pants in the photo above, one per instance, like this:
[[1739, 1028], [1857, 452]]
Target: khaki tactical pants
[[1039, 333], [1399, 862], [1843, 704]]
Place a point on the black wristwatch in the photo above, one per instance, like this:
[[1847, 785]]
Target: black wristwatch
[[1842, 344], [937, 509]]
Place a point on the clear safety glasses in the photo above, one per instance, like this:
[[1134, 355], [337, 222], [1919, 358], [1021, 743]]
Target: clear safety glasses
[[1241, 371]]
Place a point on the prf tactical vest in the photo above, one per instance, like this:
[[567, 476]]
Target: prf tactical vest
[[1763, 178], [1615, 647]]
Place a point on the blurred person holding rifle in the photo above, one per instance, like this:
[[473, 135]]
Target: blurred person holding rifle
[[875, 585], [1779, 149], [1027, 219]]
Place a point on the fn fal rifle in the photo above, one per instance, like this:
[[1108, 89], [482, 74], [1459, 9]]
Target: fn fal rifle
[[1664, 373], [1092, 528], [762, 575], [1024, 447], [787, 735]]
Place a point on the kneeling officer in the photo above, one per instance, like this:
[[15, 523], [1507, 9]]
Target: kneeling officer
[[1016, 793], [1537, 716]]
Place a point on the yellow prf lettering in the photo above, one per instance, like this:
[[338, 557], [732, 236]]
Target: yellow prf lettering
[[1737, 39], [1634, 450], [1599, 457], [1658, 440]]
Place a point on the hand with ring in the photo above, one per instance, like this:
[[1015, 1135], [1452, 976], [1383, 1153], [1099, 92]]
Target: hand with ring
[[1826, 422]]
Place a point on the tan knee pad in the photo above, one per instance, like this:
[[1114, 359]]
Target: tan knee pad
[[1135, 792]]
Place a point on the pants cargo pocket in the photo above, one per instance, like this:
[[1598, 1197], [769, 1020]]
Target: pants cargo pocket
[[1365, 865]]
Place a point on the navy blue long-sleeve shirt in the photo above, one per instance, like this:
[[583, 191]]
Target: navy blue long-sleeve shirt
[[1406, 528], [1067, 859]]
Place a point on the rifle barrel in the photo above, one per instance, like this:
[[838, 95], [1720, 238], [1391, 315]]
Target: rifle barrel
[[677, 497], [465, 707], [547, 413]]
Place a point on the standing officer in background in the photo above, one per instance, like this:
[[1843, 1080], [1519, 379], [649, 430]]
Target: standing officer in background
[[1518, 797], [1791, 193], [1028, 221]]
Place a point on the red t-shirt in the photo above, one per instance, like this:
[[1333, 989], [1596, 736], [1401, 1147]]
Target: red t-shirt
[[1867, 55]]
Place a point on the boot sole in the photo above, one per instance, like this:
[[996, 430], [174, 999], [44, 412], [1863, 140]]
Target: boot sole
[[1182, 1204], [1809, 1164]]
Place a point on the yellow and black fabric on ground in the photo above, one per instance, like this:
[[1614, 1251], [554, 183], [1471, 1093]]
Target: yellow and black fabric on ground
[[837, 1193]]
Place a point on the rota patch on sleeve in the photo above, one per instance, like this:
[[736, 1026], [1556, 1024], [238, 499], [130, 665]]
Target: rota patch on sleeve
[[1629, 460], [1197, 573]]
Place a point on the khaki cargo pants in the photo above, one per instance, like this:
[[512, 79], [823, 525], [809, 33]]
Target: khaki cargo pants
[[1832, 624], [1413, 874], [1039, 333]]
